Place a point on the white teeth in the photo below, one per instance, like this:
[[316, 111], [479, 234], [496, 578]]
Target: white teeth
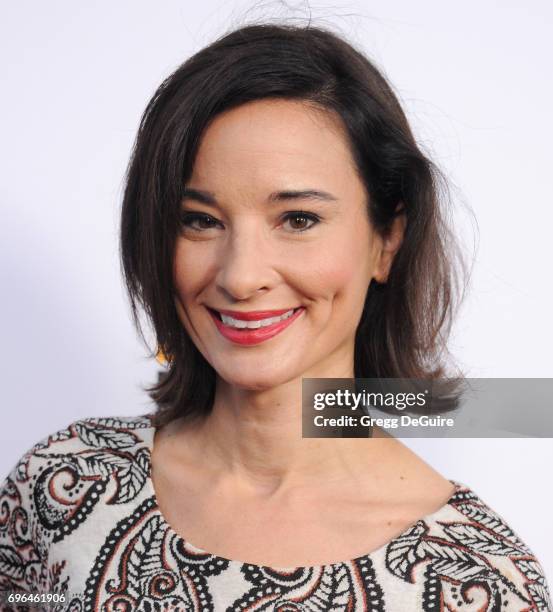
[[239, 324]]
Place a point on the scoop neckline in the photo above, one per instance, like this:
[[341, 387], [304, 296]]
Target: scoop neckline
[[149, 485]]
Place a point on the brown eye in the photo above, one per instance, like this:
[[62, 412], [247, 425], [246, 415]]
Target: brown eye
[[203, 221], [301, 221]]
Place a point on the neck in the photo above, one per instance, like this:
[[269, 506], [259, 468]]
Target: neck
[[254, 440]]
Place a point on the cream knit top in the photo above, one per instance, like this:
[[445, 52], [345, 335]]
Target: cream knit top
[[79, 523]]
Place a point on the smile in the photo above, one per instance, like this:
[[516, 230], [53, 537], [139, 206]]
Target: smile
[[253, 327]]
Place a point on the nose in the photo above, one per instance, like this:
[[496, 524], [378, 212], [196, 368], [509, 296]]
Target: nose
[[245, 263]]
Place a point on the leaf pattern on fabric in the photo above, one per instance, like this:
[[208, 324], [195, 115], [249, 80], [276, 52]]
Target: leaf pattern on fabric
[[130, 479], [531, 569], [487, 518], [103, 437], [99, 463], [481, 539], [403, 553], [11, 563]]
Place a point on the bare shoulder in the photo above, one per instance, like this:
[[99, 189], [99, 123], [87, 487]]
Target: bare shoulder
[[411, 481]]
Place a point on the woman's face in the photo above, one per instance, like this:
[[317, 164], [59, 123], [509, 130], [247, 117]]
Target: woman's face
[[247, 248]]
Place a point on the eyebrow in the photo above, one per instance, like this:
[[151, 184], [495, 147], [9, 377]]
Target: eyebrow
[[207, 197]]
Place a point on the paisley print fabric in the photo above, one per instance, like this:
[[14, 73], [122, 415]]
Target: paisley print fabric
[[78, 516]]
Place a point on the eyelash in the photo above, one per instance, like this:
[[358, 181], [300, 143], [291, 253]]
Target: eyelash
[[187, 218]]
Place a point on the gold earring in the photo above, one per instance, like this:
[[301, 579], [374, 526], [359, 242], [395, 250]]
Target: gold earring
[[161, 357]]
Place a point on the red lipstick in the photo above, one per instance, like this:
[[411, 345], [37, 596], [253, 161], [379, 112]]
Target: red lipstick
[[253, 336]]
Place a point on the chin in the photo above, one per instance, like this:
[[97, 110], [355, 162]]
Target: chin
[[253, 380]]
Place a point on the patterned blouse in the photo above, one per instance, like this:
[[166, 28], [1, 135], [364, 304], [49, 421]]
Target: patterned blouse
[[80, 528]]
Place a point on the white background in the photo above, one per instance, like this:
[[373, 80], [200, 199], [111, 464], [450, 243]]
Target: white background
[[475, 80]]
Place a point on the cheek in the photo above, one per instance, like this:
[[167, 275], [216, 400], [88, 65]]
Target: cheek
[[187, 273], [332, 274], [188, 280], [341, 267]]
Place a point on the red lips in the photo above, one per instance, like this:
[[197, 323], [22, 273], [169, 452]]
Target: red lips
[[258, 335]]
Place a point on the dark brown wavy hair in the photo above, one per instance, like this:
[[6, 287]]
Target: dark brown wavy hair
[[406, 321]]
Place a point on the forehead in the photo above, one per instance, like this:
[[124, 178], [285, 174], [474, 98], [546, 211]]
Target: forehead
[[274, 139]]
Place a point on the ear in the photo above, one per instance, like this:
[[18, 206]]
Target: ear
[[389, 245]]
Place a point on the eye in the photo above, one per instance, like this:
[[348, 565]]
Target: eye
[[299, 220], [204, 220]]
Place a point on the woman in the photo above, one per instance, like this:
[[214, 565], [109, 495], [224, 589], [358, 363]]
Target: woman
[[279, 222]]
